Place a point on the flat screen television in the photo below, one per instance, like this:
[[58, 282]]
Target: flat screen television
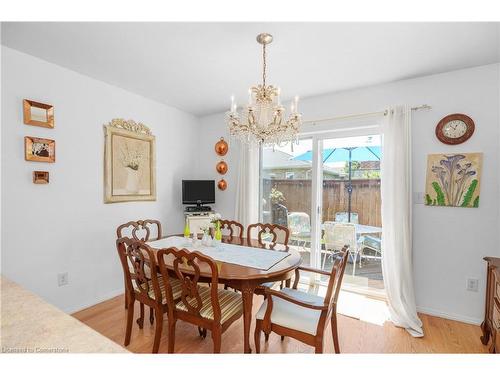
[[198, 192]]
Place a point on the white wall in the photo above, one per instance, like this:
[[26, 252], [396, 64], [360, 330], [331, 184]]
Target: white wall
[[65, 226], [449, 243]]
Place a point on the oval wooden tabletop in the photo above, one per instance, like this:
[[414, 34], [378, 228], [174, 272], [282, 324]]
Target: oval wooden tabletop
[[229, 271]]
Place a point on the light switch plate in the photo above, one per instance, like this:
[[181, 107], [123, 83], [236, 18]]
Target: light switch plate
[[62, 279], [472, 285]]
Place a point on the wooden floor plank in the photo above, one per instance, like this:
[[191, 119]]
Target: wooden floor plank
[[441, 335]]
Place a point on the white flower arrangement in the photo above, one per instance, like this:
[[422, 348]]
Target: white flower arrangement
[[214, 218]]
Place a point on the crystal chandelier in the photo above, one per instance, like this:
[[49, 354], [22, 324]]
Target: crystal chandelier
[[263, 121]]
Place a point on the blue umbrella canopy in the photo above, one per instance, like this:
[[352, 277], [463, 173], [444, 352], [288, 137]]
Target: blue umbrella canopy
[[362, 153]]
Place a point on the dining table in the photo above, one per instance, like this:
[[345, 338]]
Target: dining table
[[248, 275]]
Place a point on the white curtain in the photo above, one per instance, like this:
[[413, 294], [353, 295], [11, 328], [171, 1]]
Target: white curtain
[[247, 189], [396, 219]]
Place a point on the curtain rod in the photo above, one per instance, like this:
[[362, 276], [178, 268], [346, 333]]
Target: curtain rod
[[367, 114]]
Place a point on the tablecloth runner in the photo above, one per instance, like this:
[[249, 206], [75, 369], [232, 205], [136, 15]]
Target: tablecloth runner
[[228, 253]]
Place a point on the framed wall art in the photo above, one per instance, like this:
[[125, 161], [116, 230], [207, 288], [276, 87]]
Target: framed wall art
[[38, 114], [129, 162], [39, 149], [453, 180], [40, 177]]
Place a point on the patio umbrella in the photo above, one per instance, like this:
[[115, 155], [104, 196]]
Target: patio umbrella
[[348, 154]]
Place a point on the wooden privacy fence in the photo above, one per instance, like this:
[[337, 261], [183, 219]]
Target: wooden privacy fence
[[365, 199]]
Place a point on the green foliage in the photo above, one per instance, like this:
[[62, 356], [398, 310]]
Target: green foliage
[[469, 194], [276, 196], [475, 204], [439, 194], [372, 174], [428, 200], [355, 165]]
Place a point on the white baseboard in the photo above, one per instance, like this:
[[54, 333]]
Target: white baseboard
[[440, 314], [86, 304]]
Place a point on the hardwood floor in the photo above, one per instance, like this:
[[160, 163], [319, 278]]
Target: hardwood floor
[[441, 335]]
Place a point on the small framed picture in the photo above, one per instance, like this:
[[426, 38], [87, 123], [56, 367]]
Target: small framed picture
[[40, 177], [38, 114], [40, 149]]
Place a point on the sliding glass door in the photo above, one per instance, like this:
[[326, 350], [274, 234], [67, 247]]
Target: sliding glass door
[[326, 190], [350, 214]]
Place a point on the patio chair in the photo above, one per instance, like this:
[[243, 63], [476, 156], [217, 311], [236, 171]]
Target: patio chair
[[338, 235], [299, 224], [343, 217], [372, 243]]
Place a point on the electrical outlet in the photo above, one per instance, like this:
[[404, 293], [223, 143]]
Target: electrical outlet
[[472, 285], [62, 279]]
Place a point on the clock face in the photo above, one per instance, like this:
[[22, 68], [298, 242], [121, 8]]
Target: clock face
[[454, 129]]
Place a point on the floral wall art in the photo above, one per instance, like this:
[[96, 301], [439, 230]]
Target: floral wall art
[[129, 162], [453, 179]]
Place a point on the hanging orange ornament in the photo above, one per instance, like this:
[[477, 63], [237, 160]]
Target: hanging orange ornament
[[221, 147], [222, 184], [221, 167]]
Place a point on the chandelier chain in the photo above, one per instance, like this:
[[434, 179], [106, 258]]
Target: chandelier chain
[[264, 65]]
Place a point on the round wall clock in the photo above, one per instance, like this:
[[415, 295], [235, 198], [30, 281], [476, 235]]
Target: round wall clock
[[455, 129]]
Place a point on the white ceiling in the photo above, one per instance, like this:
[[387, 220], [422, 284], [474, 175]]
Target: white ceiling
[[197, 66]]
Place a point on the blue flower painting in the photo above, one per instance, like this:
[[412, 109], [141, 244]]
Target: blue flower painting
[[453, 180]]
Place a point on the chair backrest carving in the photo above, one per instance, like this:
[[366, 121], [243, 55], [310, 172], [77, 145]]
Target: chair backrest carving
[[188, 267], [143, 230], [336, 276], [271, 233], [137, 261], [231, 228]]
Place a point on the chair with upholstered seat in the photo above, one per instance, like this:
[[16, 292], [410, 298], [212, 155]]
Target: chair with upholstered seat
[[138, 261], [208, 307], [268, 236], [141, 230], [300, 315]]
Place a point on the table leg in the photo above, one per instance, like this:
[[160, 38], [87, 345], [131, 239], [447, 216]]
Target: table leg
[[247, 290]]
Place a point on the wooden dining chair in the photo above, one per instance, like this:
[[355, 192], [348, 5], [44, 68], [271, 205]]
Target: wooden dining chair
[[300, 315], [268, 235], [232, 228], [208, 307], [138, 261], [143, 230]]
